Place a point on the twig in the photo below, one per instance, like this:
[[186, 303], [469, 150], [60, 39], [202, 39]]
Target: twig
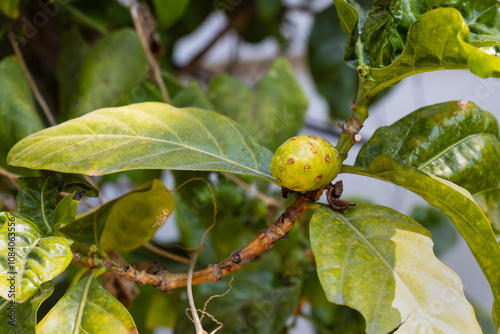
[[265, 240], [11, 176], [236, 21], [166, 254], [268, 200], [138, 23], [31, 81]]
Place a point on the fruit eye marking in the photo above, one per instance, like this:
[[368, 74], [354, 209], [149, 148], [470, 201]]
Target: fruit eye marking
[[312, 136], [318, 178], [314, 150], [306, 168], [327, 158], [291, 161], [297, 148]]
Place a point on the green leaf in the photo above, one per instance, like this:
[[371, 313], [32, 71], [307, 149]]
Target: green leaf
[[18, 115], [386, 27], [144, 136], [114, 66], [65, 211], [336, 81], [453, 201], [87, 308], [454, 140], [192, 96], [10, 8], [273, 110], [27, 258], [348, 16], [439, 40], [37, 197], [125, 223], [21, 318], [489, 201], [169, 12], [69, 62], [366, 260]]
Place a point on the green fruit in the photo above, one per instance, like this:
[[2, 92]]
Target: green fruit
[[305, 163]]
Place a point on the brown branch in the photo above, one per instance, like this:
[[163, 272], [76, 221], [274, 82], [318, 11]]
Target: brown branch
[[235, 22], [10, 176], [138, 16], [31, 81], [266, 239]]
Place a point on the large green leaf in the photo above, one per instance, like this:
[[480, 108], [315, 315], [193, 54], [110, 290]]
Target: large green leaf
[[272, 111], [381, 263], [114, 66], [87, 308], [453, 201], [144, 136], [10, 8], [388, 22], [21, 318], [18, 115], [27, 258], [439, 40], [37, 198], [125, 223], [454, 140]]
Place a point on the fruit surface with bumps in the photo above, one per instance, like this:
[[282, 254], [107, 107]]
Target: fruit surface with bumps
[[305, 163]]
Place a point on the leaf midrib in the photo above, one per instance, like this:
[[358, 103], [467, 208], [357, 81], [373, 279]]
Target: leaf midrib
[[134, 138]]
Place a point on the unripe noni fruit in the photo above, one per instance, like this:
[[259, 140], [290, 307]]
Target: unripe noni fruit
[[305, 163]]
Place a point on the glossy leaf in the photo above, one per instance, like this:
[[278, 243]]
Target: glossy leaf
[[27, 258], [21, 318], [18, 114], [438, 41], [10, 8], [381, 263], [87, 308], [114, 66], [386, 27], [454, 140], [37, 197], [453, 201], [272, 111], [144, 136], [489, 201], [169, 12], [125, 223]]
